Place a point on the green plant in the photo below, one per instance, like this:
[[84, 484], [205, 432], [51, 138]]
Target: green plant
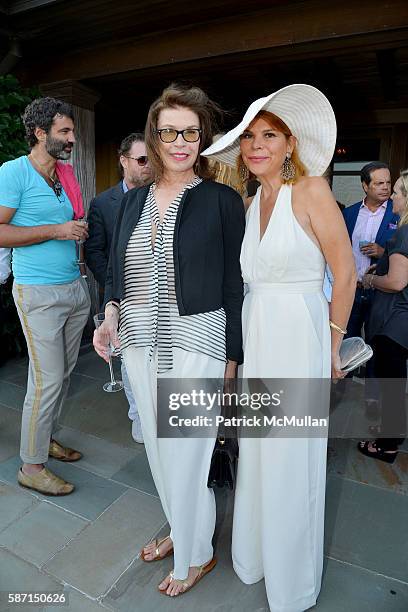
[[13, 100]]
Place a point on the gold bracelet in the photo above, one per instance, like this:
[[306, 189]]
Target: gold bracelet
[[337, 328]]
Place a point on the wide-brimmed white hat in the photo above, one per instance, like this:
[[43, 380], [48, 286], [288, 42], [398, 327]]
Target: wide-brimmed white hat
[[307, 113]]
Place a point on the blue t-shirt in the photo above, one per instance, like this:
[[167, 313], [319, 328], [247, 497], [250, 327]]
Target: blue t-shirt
[[48, 263]]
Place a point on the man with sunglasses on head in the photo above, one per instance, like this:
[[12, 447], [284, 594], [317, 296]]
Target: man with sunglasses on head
[[136, 172], [37, 220]]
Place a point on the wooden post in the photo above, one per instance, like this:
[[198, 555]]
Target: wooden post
[[399, 150], [83, 100]]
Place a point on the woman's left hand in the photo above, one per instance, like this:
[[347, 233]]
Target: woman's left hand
[[337, 372]]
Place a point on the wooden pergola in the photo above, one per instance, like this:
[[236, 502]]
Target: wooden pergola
[[111, 59]]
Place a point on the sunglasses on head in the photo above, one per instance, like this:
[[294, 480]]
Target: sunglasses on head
[[142, 160]]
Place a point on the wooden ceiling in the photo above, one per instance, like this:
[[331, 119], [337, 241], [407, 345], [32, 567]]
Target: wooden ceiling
[[127, 51], [41, 25]]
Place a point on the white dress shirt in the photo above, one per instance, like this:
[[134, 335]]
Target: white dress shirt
[[5, 259]]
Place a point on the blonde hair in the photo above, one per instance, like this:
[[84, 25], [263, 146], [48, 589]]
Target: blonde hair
[[276, 123], [228, 176], [404, 191]]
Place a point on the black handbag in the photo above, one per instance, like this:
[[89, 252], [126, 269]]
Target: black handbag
[[224, 460]]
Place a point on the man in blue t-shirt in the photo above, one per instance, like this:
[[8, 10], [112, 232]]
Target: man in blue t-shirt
[[52, 299]]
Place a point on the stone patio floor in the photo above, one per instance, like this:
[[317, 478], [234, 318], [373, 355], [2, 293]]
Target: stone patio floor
[[87, 543]]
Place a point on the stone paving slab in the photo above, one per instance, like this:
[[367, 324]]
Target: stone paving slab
[[92, 494], [9, 369], [12, 395], [19, 576], [98, 413], [136, 473], [345, 460], [41, 532], [17, 376], [10, 423], [91, 365], [94, 560], [99, 456], [76, 602], [347, 588], [366, 526], [14, 503]]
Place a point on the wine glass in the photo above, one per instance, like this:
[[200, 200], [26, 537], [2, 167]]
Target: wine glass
[[81, 252], [114, 385]]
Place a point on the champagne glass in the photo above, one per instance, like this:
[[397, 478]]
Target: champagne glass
[[114, 385], [81, 252]]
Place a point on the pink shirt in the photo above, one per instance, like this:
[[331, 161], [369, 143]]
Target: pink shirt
[[366, 228]]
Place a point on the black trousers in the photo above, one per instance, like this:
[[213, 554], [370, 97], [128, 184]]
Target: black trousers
[[391, 370], [360, 313]]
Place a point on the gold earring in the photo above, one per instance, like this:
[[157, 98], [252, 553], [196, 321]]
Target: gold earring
[[288, 170], [244, 173]]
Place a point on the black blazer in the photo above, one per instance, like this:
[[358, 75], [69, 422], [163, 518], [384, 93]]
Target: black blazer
[[208, 233], [103, 211]]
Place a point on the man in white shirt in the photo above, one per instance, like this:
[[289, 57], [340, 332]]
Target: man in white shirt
[[5, 269]]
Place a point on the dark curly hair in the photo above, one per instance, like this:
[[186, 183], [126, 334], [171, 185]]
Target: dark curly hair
[[40, 113]]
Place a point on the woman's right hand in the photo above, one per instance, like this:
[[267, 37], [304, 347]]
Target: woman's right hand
[[106, 335]]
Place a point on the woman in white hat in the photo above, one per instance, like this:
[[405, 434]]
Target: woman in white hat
[[293, 227]]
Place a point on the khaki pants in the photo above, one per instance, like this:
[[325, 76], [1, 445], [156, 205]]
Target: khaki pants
[[53, 318]]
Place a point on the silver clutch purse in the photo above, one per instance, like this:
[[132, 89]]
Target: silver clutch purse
[[354, 352]]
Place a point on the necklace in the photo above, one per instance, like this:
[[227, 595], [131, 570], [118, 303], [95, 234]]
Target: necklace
[[55, 182]]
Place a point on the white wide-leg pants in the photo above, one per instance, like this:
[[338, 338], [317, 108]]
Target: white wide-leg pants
[[281, 483], [179, 466]]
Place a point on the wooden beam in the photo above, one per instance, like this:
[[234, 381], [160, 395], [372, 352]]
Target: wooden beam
[[379, 116], [72, 92], [330, 23], [399, 150], [388, 73], [22, 6]]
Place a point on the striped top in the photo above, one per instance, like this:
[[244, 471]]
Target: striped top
[[149, 313]]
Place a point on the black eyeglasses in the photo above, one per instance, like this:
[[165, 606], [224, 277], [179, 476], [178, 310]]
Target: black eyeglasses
[[142, 160], [170, 135]]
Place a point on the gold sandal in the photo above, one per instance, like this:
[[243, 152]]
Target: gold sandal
[[158, 556], [202, 571], [63, 453]]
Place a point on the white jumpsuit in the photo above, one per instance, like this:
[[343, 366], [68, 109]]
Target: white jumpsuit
[[279, 500]]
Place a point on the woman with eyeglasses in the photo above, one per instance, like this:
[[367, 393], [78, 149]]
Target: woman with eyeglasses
[[175, 290]]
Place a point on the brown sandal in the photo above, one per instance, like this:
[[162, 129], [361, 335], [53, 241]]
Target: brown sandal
[[202, 571], [158, 556]]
